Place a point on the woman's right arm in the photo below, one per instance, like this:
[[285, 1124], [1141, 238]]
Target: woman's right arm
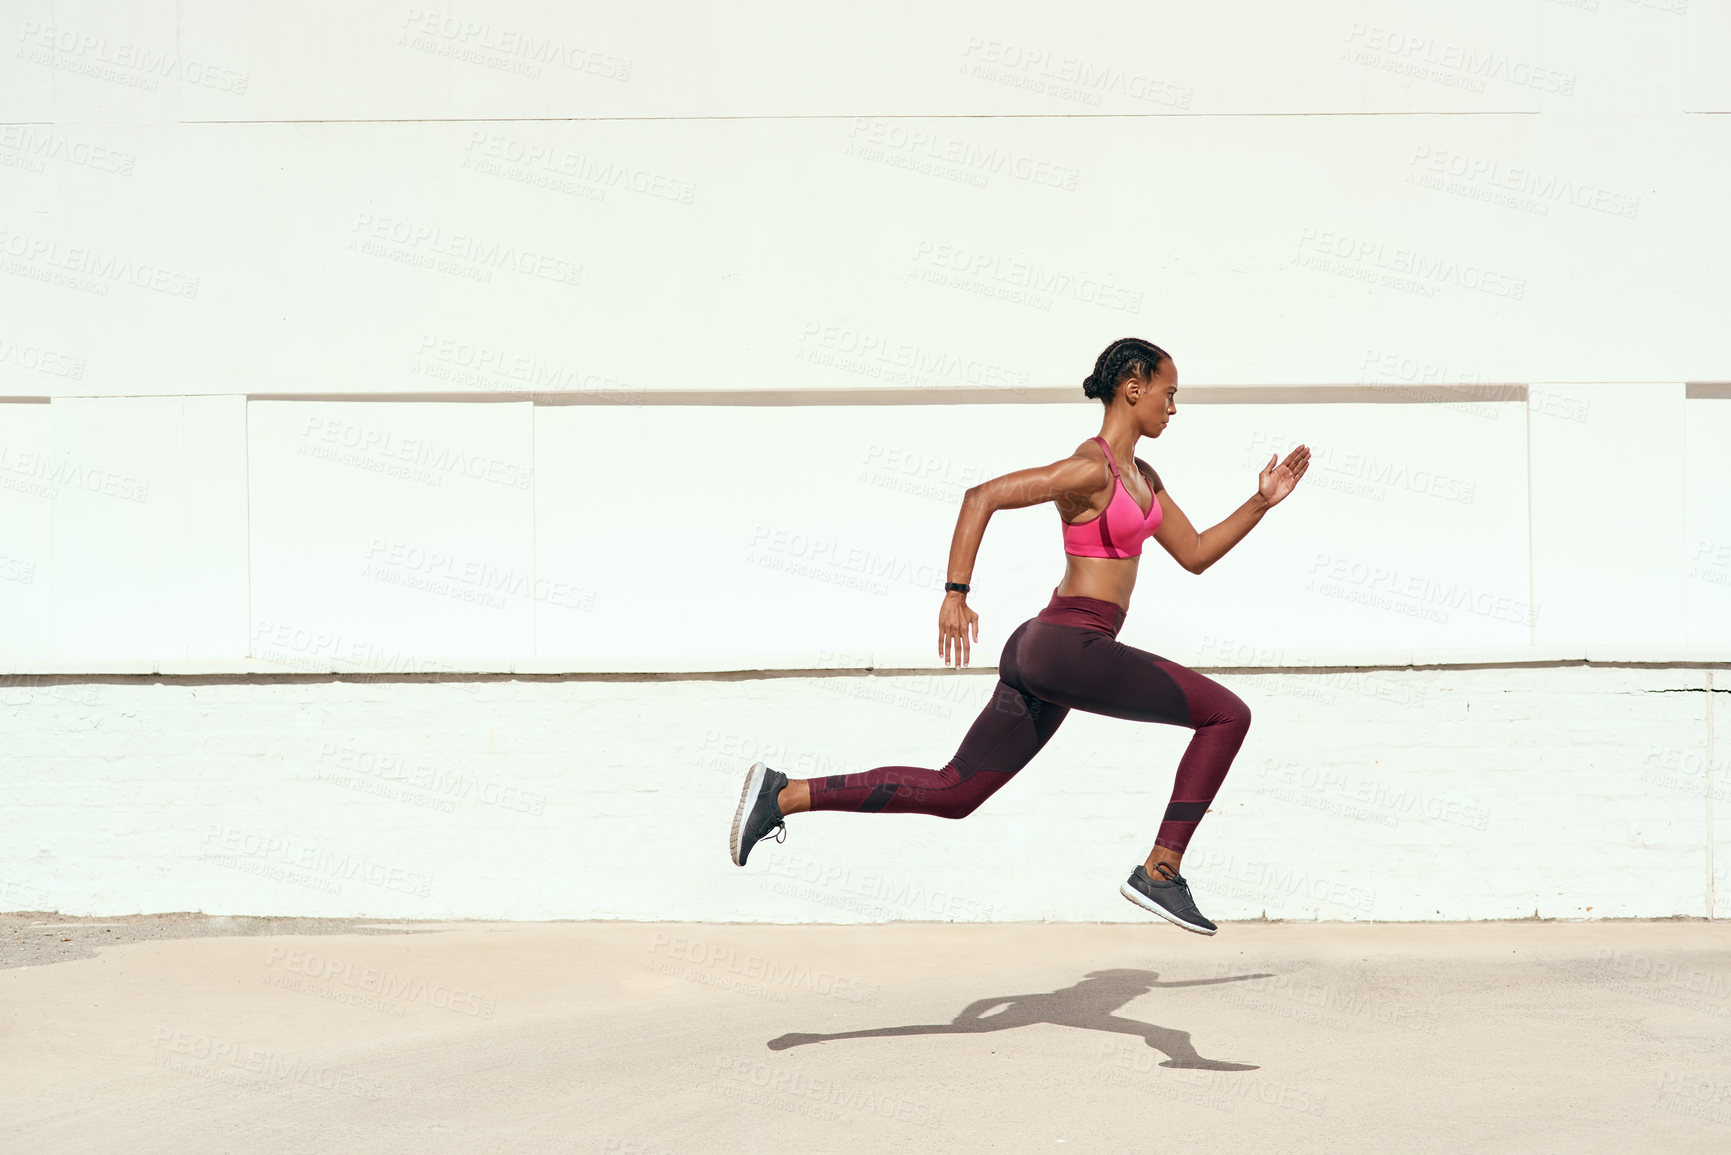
[[1071, 483]]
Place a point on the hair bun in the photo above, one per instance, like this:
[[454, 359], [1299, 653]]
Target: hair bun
[[1090, 387]]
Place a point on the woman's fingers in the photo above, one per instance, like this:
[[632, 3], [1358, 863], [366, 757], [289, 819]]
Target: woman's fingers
[[953, 636]]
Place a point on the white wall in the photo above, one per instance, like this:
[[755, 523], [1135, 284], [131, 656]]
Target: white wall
[[367, 339], [212, 197], [211, 534], [1384, 794]]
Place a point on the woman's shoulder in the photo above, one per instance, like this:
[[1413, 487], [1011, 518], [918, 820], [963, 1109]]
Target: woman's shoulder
[[1090, 450]]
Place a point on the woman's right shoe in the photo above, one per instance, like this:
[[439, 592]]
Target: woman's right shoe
[[759, 811], [1167, 896]]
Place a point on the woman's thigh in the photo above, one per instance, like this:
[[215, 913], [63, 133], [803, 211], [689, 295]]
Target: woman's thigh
[[1088, 670]]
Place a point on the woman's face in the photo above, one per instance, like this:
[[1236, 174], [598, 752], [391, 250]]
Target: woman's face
[[1156, 400]]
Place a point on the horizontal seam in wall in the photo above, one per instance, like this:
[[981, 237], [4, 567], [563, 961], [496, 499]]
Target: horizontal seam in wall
[[28, 680], [960, 395], [838, 116]]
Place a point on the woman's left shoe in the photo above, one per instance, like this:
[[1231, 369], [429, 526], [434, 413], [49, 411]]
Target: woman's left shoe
[[759, 811], [1167, 896]]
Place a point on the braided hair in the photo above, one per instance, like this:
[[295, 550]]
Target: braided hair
[[1126, 357]]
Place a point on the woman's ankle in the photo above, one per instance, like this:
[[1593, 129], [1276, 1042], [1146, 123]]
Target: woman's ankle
[[1166, 854], [795, 797]]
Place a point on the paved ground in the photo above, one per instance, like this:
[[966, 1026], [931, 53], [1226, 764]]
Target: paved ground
[[184, 1034]]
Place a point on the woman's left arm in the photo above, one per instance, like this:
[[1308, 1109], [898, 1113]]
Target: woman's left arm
[[1197, 551]]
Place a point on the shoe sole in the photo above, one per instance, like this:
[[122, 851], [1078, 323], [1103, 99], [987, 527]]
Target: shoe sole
[[753, 784], [1152, 907]]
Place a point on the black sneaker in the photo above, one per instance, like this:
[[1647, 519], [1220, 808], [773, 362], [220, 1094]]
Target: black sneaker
[[759, 811], [1168, 896]]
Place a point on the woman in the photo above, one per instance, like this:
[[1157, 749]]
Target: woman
[[1068, 656]]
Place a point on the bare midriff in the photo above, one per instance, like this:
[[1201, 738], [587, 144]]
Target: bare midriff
[[1108, 578]]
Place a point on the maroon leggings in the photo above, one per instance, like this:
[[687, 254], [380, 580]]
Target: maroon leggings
[[1068, 657]]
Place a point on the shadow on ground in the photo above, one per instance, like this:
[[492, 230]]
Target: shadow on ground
[[36, 938], [1088, 1005]]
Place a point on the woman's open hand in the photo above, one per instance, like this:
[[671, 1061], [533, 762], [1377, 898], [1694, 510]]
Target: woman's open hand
[[1276, 481], [955, 622]]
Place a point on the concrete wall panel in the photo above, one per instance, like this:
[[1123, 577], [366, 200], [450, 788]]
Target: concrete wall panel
[[386, 537], [1388, 795], [27, 494], [150, 528]]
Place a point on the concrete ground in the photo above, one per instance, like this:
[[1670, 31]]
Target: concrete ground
[[187, 1034]]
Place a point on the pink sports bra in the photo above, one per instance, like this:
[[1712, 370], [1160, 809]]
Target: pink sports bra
[[1118, 530]]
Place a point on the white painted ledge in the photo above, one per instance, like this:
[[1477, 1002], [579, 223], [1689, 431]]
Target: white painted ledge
[[803, 663]]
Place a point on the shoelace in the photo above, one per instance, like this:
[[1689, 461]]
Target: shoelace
[[780, 829], [1166, 872]]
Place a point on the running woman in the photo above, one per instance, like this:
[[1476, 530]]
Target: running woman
[[1068, 656]]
